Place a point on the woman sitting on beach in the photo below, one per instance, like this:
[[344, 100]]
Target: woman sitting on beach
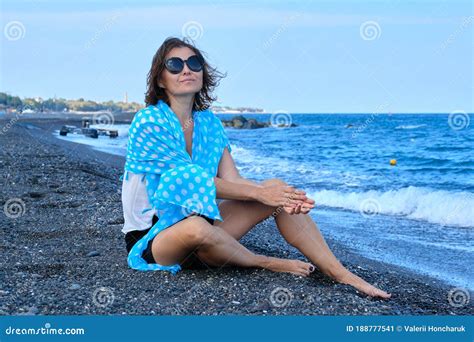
[[180, 83]]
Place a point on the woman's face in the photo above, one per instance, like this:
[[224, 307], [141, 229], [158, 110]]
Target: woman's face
[[187, 82]]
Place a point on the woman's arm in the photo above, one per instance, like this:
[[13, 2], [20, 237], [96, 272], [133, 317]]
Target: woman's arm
[[230, 185], [239, 191]]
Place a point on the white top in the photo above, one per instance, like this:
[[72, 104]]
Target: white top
[[134, 201]]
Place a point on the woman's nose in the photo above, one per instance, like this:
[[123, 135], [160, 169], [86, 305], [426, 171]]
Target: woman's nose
[[186, 70]]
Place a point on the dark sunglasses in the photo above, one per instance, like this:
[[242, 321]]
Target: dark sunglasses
[[175, 64]]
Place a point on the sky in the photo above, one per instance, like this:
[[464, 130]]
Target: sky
[[379, 56]]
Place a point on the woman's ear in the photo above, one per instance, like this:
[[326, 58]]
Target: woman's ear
[[160, 84]]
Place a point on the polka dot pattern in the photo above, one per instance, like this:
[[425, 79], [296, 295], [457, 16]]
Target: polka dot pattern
[[176, 183]]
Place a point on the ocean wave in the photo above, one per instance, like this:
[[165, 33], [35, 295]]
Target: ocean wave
[[252, 163], [435, 206], [410, 126]]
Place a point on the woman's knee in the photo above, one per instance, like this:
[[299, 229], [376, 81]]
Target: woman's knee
[[199, 231], [273, 181]]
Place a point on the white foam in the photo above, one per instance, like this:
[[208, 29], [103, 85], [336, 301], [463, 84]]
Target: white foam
[[410, 126], [435, 206], [117, 146]]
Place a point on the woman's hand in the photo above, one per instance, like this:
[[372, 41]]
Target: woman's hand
[[302, 207], [292, 200]]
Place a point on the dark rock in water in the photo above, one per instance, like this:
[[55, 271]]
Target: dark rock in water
[[252, 123], [286, 125], [93, 254], [240, 121]]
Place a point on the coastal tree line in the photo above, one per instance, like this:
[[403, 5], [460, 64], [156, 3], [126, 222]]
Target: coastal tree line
[[15, 103], [37, 104]]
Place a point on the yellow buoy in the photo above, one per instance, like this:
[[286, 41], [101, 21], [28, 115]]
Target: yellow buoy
[[393, 162]]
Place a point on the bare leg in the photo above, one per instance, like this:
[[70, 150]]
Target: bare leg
[[300, 231], [215, 247]]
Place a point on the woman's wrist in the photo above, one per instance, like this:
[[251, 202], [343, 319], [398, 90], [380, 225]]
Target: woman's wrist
[[256, 192]]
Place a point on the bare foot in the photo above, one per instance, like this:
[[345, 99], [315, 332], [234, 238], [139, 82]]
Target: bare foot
[[363, 286], [290, 266]]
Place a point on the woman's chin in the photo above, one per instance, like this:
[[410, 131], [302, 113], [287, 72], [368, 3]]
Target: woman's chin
[[184, 91]]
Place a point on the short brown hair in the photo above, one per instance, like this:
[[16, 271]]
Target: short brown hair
[[211, 76]]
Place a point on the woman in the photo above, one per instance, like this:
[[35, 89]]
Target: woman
[[181, 82]]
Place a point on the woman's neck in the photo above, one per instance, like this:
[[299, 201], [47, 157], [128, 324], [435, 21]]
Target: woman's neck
[[182, 107]]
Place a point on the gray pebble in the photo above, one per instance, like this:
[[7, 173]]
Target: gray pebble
[[75, 287]]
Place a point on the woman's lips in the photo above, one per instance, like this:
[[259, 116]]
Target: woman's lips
[[187, 81]]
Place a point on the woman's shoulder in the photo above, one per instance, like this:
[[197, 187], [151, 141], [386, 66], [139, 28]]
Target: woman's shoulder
[[210, 116], [145, 111], [149, 114]]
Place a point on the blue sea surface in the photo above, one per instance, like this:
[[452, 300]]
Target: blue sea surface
[[418, 214]]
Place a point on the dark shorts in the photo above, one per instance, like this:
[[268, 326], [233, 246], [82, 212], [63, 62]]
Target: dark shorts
[[131, 238]]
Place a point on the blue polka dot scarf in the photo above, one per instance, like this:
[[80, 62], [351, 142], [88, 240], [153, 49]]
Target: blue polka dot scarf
[[178, 185]]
